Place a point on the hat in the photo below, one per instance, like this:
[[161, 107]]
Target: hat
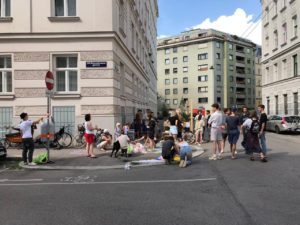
[[106, 131], [233, 109], [23, 115]]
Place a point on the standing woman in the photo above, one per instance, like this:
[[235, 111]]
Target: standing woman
[[89, 136], [252, 140], [232, 127], [199, 129], [179, 123], [173, 125]]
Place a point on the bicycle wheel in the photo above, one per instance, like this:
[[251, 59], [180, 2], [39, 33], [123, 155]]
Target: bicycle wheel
[[79, 141], [191, 137], [64, 140]]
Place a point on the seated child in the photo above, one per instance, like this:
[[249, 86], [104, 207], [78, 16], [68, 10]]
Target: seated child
[[185, 152], [168, 149], [106, 140]]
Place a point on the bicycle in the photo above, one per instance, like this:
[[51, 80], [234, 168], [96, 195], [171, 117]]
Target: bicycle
[[79, 139], [3, 141]]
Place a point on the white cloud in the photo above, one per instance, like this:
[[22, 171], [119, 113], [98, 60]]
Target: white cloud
[[162, 36], [236, 24]]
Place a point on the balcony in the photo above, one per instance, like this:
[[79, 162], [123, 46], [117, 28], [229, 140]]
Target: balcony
[[240, 63], [240, 84], [240, 95]]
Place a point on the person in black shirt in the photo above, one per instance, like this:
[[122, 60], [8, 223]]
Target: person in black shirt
[[263, 124], [168, 149], [173, 125], [245, 115]]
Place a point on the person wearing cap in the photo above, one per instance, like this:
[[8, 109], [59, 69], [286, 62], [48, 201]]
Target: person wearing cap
[[232, 125], [27, 138], [118, 130], [106, 140]]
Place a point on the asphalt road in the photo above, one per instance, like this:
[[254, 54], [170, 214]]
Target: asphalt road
[[219, 192]]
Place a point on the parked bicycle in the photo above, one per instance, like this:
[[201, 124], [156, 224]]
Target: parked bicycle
[[79, 139]]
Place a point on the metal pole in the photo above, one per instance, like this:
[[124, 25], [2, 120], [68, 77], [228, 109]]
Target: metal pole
[[48, 126]]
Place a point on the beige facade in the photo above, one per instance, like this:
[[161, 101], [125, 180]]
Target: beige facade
[[258, 76], [204, 67], [281, 53], [103, 56]]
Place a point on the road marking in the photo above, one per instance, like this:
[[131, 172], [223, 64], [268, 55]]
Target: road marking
[[113, 182], [25, 180], [1, 171]]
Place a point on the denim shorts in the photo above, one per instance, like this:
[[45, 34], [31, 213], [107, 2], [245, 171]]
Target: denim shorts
[[233, 136]]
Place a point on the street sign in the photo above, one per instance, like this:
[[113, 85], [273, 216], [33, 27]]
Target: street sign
[[96, 64], [49, 79]]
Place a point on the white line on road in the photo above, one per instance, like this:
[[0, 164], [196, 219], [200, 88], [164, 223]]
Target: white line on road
[[26, 180], [112, 182], [1, 171]]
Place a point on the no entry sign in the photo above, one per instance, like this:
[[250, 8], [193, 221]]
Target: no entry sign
[[49, 79]]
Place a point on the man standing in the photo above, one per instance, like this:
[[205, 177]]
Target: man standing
[[27, 139], [263, 124], [216, 123]]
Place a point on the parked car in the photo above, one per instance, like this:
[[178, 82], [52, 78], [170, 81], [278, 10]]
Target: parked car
[[281, 124]]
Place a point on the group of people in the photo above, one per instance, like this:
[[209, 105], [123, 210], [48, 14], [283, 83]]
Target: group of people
[[228, 125]]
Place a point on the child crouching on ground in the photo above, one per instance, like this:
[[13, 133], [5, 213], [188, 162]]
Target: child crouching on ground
[[185, 152], [168, 149]]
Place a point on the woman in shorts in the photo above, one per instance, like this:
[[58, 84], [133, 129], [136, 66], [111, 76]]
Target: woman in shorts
[[233, 130], [173, 125], [89, 136]]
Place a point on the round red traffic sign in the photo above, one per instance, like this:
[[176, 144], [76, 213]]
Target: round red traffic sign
[[49, 79]]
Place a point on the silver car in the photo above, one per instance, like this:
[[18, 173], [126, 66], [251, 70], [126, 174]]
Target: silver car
[[281, 124]]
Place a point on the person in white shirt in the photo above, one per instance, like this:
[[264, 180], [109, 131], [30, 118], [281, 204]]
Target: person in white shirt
[[27, 139], [216, 123]]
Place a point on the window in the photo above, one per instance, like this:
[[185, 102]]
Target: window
[[167, 71], [284, 33], [175, 60], [218, 56], [249, 61], [202, 100], [167, 92], [249, 91], [275, 39], [132, 38], [218, 45], [167, 51], [295, 26], [231, 89], [203, 67], [202, 56], [185, 58], [185, 80], [219, 79], [275, 71], [296, 104], [266, 15], [4, 8], [185, 91], [219, 100], [295, 65], [175, 70], [167, 101], [203, 78], [185, 69], [231, 78], [66, 73], [185, 48], [283, 4], [175, 50], [248, 50], [231, 57], [65, 7], [167, 81], [167, 61], [175, 101], [284, 69], [5, 74], [275, 8], [230, 46], [219, 89], [231, 67], [175, 81], [202, 89], [175, 91], [121, 15], [248, 81], [219, 68], [285, 103], [248, 70]]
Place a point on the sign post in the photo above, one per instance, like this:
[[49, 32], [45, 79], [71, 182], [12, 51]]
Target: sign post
[[49, 80]]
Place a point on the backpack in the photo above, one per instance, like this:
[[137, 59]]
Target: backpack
[[255, 127]]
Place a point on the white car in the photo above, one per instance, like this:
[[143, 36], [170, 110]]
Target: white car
[[281, 124]]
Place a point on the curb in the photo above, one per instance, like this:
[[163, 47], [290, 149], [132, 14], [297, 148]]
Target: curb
[[133, 164]]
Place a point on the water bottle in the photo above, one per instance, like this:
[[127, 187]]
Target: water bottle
[[127, 166]]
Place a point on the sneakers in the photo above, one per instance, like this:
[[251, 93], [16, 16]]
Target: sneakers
[[220, 157], [181, 163], [32, 164], [184, 162], [214, 157]]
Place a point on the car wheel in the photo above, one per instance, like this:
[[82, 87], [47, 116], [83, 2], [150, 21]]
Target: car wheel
[[277, 130]]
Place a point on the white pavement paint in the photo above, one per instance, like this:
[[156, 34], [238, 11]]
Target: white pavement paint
[[1, 171], [113, 182], [26, 180]]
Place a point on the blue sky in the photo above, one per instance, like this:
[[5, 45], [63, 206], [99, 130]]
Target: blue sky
[[177, 15]]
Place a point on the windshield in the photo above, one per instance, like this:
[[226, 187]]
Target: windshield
[[293, 119]]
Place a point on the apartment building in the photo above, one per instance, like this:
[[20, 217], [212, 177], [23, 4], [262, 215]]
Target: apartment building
[[102, 54], [258, 76], [206, 66], [281, 53]]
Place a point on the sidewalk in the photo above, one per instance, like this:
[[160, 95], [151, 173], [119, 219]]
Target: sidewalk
[[75, 159]]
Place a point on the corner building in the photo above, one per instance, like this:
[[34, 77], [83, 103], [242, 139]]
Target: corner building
[[102, 54]]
